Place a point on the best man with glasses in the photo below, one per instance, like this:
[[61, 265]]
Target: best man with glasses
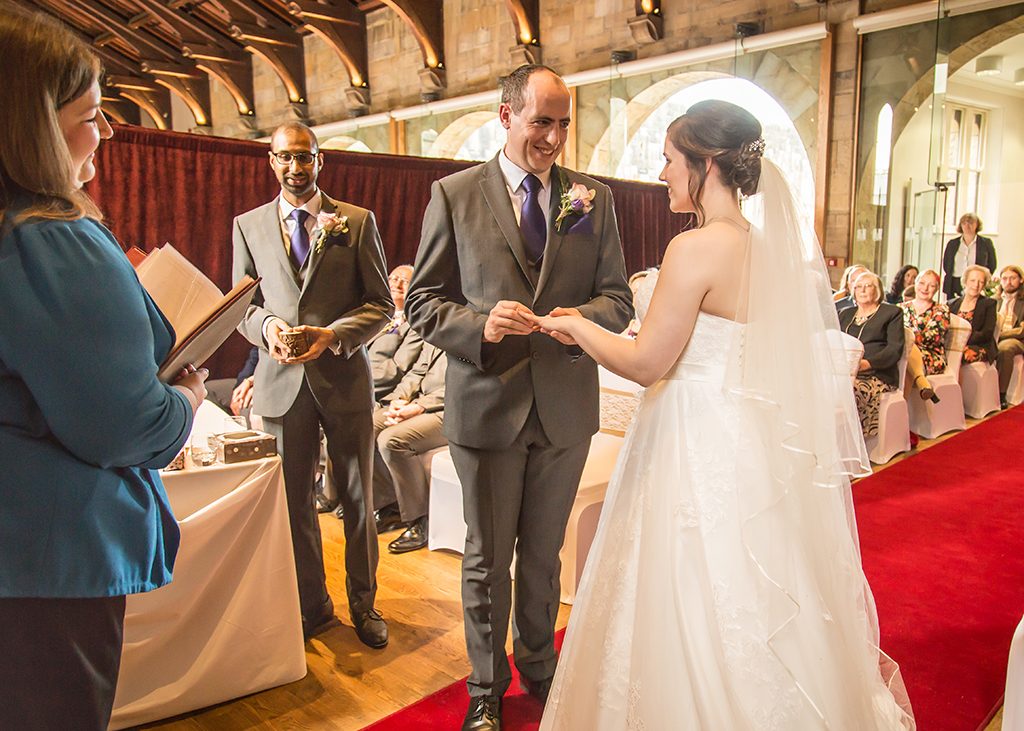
[[324, 281]]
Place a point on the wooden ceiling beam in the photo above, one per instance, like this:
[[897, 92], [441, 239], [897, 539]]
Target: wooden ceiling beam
[[213, 54], [425, 18], [144, 43], [526, 19], [342, 27]]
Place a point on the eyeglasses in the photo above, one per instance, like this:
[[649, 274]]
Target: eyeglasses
[[303, 158]]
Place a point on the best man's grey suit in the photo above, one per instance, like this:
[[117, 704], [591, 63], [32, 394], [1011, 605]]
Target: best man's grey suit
[[519, 414], [343, 286]]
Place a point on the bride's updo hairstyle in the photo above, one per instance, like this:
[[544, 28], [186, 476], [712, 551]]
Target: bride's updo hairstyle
[[729, 136]]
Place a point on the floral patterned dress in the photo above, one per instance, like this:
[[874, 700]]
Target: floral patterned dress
[[930, 328], [974, 353]]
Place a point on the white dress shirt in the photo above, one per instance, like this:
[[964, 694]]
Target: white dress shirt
[[514, 176], [966, 255], [312, 207]]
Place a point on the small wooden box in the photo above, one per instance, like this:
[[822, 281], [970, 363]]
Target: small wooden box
[[246, 445]]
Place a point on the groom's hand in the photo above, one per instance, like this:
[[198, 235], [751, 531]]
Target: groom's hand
[[564, 338], [508, 318]]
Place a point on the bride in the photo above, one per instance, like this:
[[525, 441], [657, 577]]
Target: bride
[[724, 589]]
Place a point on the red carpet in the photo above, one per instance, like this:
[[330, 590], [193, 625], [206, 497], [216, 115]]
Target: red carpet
[[943, 547]]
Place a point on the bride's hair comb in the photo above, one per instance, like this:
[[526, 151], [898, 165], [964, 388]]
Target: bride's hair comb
[[754, 148]]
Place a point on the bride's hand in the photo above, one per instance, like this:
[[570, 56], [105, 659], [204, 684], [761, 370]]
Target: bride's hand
[[560, 324]]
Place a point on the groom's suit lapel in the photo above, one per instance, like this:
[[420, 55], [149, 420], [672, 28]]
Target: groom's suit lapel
[[270, 227], [315, 257], [554, 242], [495, 191]]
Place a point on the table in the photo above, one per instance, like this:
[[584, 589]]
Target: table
[[229, 624]]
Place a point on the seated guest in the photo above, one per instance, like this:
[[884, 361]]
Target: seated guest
[[903, 281], [1011, 336], [915, 362], [234, 395], [966, 249], [407, 426], [879, 326], [843, 297], [929, 320], [394, 350], [980, 311], [85, 423]]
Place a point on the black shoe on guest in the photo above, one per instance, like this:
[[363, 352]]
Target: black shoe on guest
[[539, 689], [413, 538], [388, 518], [320, 622], [340, 512], [323, 505], [1003, 403], [484, 714], [370, 628]]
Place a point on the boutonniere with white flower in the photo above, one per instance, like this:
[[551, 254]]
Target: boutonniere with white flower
[[577, 200], [330, 225]]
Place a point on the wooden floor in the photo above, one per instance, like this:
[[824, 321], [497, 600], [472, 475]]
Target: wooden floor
[[348, 685]]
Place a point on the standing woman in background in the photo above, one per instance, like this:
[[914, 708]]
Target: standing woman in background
[[965, 250], [84, 421]]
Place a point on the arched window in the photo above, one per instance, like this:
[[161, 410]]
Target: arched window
[[643, 158], [883, 153]]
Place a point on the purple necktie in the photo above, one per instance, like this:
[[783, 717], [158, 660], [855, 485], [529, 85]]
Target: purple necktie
[[531, 220], [300, 237]]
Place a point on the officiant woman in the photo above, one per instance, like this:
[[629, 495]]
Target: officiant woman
[[84, 421]]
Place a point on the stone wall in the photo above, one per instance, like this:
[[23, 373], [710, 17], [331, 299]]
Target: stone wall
[[479, 35]]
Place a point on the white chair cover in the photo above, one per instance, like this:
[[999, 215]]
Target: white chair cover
[[893, 415]]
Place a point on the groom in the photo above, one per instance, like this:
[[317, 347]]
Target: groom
[[500, 242]]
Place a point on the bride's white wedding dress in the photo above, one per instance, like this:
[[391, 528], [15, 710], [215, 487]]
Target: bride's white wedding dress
[[682, 620]]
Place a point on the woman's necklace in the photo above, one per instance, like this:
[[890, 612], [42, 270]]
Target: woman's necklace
[[861, 320], [726, 219]]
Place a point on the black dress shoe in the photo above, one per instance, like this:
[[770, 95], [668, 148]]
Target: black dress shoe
[[412, 539], [323, 505], [371, 628], [388, 518], [484, 714], [539, 689], [320, 623]]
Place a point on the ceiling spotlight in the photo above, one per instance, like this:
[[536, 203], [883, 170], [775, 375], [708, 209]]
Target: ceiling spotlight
[[1018, 77], [989, 66]]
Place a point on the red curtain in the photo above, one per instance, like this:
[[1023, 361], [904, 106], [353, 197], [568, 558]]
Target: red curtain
[[156, 187]]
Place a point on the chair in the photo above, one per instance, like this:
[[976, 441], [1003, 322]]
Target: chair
[[1013, 707], [893, 435], [980, 384], [929, 419], [1015, 391], [447, 526]]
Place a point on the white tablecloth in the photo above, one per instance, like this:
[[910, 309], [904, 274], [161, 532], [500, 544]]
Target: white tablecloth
[[229, 623]]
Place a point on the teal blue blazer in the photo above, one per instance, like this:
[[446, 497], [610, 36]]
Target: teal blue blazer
[[84, 421]]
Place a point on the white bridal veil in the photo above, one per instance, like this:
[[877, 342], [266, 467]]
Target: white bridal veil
[[799, 529]]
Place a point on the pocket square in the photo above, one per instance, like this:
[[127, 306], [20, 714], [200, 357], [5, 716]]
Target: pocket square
[[582, 226]]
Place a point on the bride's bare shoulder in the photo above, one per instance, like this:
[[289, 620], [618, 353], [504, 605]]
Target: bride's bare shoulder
[[709, 245]]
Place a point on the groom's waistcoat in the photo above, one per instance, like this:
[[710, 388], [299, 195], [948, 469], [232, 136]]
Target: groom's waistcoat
[[471, 256]]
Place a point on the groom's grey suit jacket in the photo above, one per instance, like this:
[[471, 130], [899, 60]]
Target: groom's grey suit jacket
[[471, 256], [344, 288]]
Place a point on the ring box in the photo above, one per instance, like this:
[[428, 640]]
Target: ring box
[[246, 445], [296, 341]]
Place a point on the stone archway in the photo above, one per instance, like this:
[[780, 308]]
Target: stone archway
[[451, 140], [346, 143]]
